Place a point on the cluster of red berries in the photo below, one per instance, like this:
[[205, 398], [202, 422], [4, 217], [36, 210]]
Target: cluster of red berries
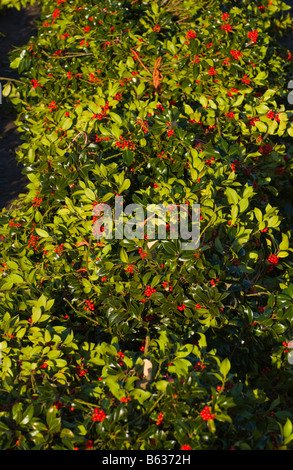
[[118, 97], [165, 284], [58, 404], [236, 54], [35, 83], [286, 346], [81, 371], [212, 71], [14, 224], [97, 138], [265, 149], [98, 415], [198, 366], [144, 125], [271, 115], [142, 254], [123, 144], [190, 35], [161, 154], [149, 291], [59, 249], [125, 80], [104, 112], [182, 307], [209, 161], [4, 267], [121, 356], [252, 35], [92, 78], [232, 90], [125, 399], [129, 269], [245, 79], [82, 42], [226, 27], [37, 201], [44, 366], [206, 414], [52, 106], [273, 259], [159, 419], [160, 108], [32, 241], [89, 305]]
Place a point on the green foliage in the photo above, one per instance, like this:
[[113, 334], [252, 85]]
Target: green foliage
[[158, 104]]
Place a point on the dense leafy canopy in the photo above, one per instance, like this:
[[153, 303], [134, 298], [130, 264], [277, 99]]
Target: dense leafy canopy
[[121, 344]]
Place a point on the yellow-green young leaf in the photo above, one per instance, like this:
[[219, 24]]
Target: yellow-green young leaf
[[162, 385], [47, 336], [103, 170], [15, 63], [42, 301], [261, 126], [188, 109], [87, 286], [31, 155], [203, 101], [116, 131], [243, 204], [12, 264], [232, 196], [283, 117], [184, 350], [125, 185], [15, 278], [211, 426], [284, 245], [274, 221], [273, 126], [140, 395], [262, 109], [36, 314], [107, 196], [225, 367], [7, 89], [116, 118], [258, 214], [234, 211], [287, 428], [90, 194], [69, 204], [123, 255], [66, 124], [179, 367], [42, 232], [238, 101], [140, 89]]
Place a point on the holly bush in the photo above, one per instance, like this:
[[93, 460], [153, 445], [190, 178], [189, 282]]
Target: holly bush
[[132, 343]]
